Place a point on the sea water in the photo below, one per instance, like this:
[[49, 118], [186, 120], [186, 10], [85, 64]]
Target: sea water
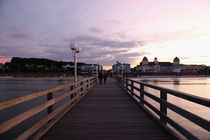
[[16, 87], [198, 86]]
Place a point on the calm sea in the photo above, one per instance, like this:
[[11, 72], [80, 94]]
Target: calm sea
[[15, 87], [199, 86]]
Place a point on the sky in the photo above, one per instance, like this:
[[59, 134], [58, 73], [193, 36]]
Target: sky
[[106, 30]]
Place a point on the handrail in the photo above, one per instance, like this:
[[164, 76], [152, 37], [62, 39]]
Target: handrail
[[186, 96], [128, 86], [18, 100], [76, 93]]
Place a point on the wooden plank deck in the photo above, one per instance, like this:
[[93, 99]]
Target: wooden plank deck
[[106, 113]]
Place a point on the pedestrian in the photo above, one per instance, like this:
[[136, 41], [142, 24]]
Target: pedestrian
[[100, 76], [105, 76]]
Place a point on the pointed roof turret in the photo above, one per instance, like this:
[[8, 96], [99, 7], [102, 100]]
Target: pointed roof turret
[[176, 59], [155, 59], [145, 59]]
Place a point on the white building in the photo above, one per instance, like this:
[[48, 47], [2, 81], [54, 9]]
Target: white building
[[192, 68], [94, 68], [176, 65], [68, 66], [155, 66], [121, 66]]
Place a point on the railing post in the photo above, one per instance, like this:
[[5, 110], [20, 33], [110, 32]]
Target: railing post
[[90, 81], [73, 87], [142, 93], [122, 81], [94, 81], [123, 84], [132, 92], [87, 85], [50, 109], [72, 95], [163, 108], [81, 87], [126, 85]]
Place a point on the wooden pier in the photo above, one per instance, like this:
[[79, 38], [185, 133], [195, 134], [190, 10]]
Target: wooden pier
[[106, 113], [115, 110]]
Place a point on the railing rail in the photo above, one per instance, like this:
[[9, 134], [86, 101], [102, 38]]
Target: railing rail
[[77, 92], [128, 85]]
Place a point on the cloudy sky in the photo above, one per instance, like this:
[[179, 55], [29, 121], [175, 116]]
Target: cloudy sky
[[106, 30]]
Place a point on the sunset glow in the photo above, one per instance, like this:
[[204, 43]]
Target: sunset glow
[[3, 60], [107, 31]]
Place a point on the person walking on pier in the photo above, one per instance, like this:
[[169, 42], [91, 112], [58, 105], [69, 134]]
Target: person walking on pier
[[100, 76], [105, 76]]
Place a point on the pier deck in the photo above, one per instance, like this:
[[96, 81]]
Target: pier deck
[[106, 113]]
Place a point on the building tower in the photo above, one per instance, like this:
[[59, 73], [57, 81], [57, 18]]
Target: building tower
[[155, 61], [145, 61], [144, 64], [176, 65], [176, 61], [156, 67]]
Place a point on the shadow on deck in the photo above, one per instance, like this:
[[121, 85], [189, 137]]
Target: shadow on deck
[[106, 113]]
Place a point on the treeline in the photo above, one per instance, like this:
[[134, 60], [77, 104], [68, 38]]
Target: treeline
[[18, 64], [204, 71]]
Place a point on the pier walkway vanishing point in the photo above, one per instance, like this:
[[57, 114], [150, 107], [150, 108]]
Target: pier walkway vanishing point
[[106, 113]]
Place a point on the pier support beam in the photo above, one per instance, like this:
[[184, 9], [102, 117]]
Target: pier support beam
[[142, 93], [163, 108]]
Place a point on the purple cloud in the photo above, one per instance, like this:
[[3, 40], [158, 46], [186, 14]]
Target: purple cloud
[[95, 30], [96, 41], [19, 36]]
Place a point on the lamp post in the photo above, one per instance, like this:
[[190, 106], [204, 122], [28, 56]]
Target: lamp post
[[118, 70], [75, 49], [122, 69], [92, 66]]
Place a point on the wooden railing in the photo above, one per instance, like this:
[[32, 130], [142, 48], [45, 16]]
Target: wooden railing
[[129, 85], [77, 91]]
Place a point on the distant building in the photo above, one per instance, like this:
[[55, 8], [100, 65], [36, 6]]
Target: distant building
[[155, 66], [121, 66], [87, 67], [93, 68], [68, 66], [40, 67], [192, 68]]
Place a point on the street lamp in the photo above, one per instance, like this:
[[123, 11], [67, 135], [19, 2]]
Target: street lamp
[[122, 66], [92, 66], [118, 70], [75, 49]]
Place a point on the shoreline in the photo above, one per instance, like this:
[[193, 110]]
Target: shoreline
[[39, 75], [35, 78], [173, 76], [39, 78], [72, 77]]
